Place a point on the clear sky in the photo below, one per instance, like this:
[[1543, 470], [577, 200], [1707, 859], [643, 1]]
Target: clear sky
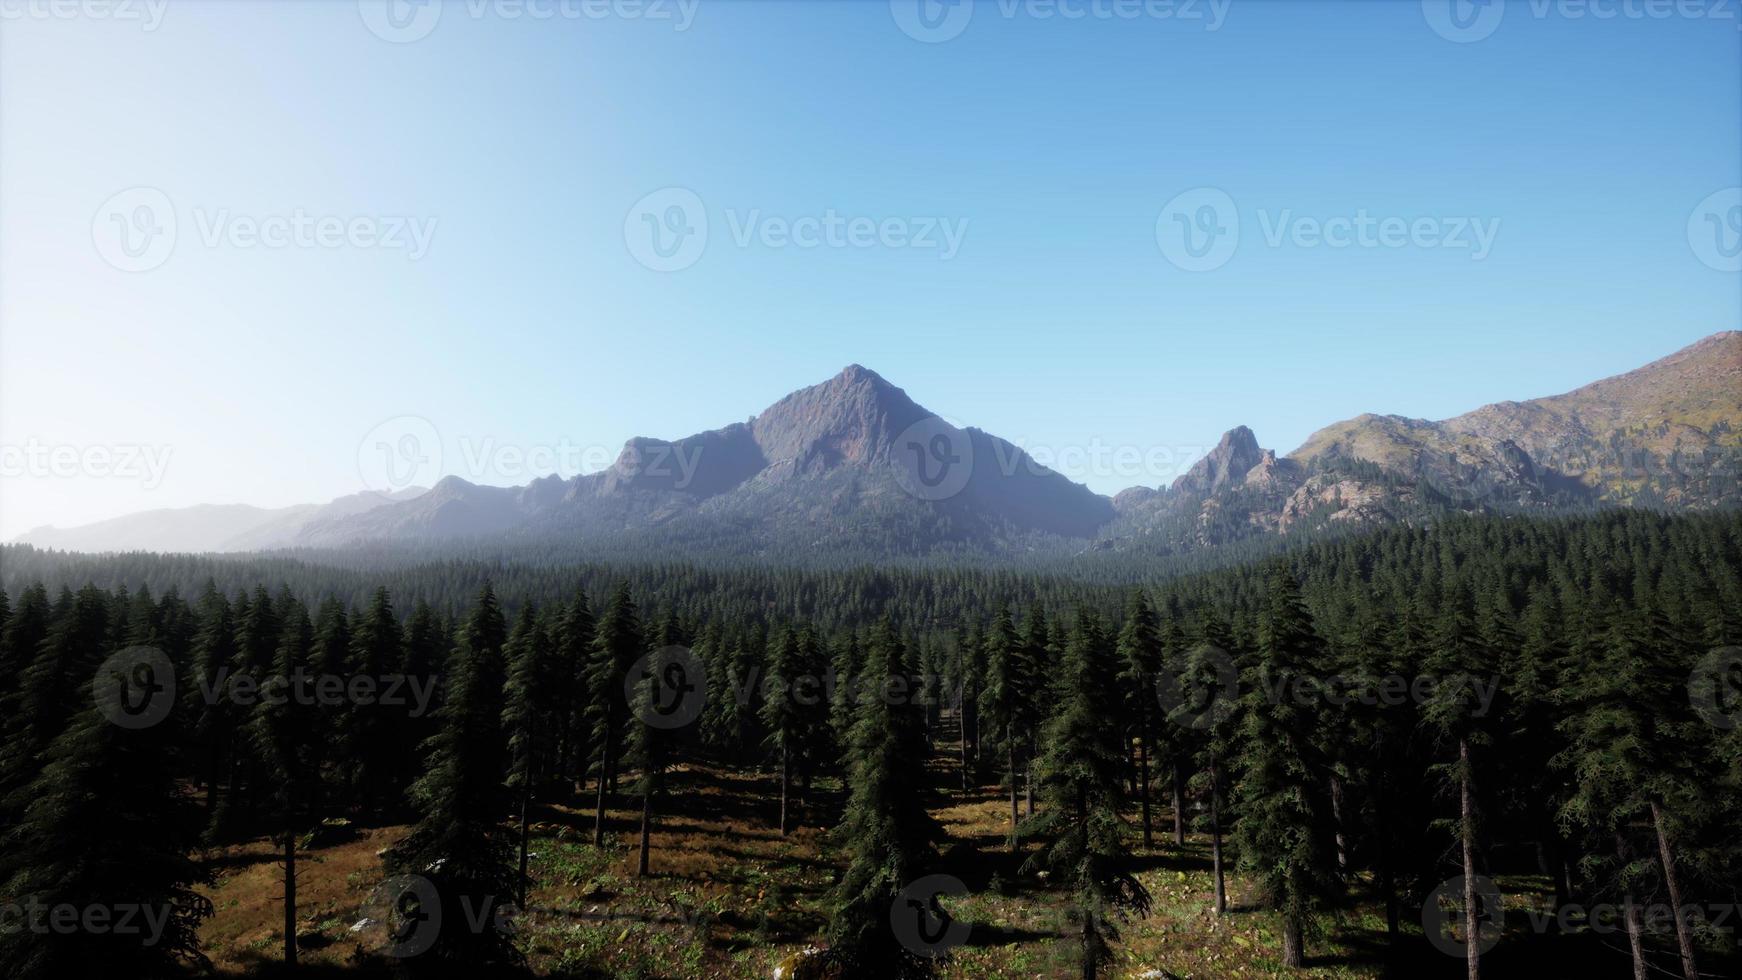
[[1010, 216]]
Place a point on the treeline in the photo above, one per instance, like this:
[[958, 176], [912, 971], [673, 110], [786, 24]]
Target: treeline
[[1378, 715]]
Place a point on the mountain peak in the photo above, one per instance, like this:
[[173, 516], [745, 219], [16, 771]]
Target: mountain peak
[[851, 417], [1225, 465], [856, 373]]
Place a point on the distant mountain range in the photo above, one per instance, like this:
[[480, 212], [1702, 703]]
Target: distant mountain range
[[854, 466]]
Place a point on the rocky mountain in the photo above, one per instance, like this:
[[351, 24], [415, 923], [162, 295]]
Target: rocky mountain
[[851, 459], [854, 467], [1667, 434]]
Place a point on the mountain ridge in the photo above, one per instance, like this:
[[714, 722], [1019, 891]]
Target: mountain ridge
[[854, 458]]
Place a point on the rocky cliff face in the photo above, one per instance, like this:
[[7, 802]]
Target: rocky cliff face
[[1669, 432], [853, 452]]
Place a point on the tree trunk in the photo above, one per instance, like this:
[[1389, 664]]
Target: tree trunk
[[1088, 917], [1143, 789], [1467, 831], [1337, 821], [785, 780], [1292, 943], [1557, 862], [1216, 840], [599, 814], [1179, 808], [1088, 948], [647, 823], [962, 726], [1028, 777], [1387, 877], [289, 892], [525, 800], [1667, 855], [214, 764], [1010, 747]]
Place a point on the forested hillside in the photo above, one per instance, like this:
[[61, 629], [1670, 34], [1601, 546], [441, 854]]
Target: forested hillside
[[1544, 711]]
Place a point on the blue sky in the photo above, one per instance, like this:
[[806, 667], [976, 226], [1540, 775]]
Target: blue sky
[[1005, 207]]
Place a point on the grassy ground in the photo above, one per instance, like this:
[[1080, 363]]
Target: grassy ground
[[729, 897]]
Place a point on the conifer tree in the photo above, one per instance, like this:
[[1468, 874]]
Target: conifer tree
[[1140, 667], [574, 646], [458, 842], [375, 771], [648, 751], [529, 718], [1458, 657], [886, 833], [844, 693], [108, 831], [783, 718], [1033, 675], [1081, 773], [1633, 749], [1001, 702], [426, 651], [1283, 826], [617, 643], [201, 692], [281, 729], [54, 684]]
